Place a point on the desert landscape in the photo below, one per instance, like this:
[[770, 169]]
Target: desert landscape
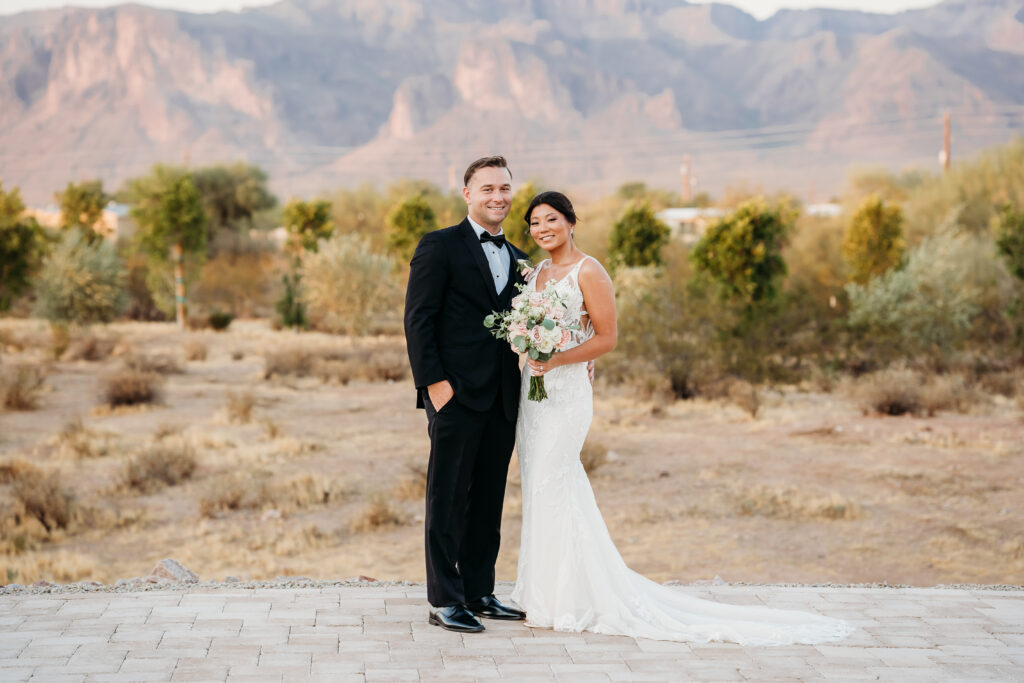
[[265, 453]]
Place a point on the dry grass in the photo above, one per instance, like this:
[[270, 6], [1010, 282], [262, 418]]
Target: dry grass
[[745, 396], [1007, 384], [21, 385], [271, 429], [889, 392], [378, 513], [75, 441], [89, 347], [195, 350], [237, 355], [379, 362], [40, 495], [248, 490], [790, 503], [239, 406], [593, 455], [158, 364], [60, 567], [60, 339], [131, 387], [950, 392], [163, 464], [414, 485]]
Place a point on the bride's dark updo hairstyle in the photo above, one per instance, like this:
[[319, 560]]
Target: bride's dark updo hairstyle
[[557, 201]]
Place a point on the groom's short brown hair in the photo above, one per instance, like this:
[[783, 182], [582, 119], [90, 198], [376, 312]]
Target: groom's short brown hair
[[484, 162]]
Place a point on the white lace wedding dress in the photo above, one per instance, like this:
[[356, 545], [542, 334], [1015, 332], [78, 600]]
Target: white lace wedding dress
[[571, 577]]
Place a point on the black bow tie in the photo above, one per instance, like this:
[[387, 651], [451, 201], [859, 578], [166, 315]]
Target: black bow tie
[[498, 240]]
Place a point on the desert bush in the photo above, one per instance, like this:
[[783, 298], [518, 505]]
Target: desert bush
[[239, 406], [297, 362], [21, 385], [220, 320], [162, 464], [789, 503], [238, 282], [593, 455], [378, 513], [158, 364], [237, 354], [745, 396], [407, 223], [195, 349], [271, 429], [373, 362], [130, 387], [895, 391], [80, 282], [929, 308], [89, 346], [638, 237], [347, 287], [414, 485], [1008, 384], [41, 495], [874, 240], [255, 490], [950, 392]]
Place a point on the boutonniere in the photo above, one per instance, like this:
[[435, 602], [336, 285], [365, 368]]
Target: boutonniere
[[525, 267]]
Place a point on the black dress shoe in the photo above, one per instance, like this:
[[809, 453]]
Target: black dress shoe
[[455, 618], [489, 607]]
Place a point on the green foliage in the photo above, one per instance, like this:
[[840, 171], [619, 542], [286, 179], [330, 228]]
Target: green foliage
[[407, 223], [232, 196], [81, 283], [306, 223], [22, 245], [220, 320], [347, 286], [638, 237], [928, 308], [290, 306], [1010, 239], [81, 206], [874, 240], [169, 211], [742, 253], [515, 227]]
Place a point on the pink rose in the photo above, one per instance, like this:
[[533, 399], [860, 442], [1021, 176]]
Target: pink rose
[[566, 338]]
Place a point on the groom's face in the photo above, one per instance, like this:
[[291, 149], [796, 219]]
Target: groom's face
[[489, 196]]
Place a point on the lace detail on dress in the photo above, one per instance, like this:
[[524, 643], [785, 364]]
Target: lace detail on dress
[[571, 577]]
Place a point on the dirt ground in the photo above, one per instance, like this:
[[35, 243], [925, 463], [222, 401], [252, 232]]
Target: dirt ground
[[809, 491]]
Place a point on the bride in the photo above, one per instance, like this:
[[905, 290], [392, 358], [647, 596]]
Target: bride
[[571, 577]]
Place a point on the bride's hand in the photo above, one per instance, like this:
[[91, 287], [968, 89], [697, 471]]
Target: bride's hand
[[540, 368]]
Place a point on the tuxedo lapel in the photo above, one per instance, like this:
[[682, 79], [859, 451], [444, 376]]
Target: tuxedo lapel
[[472, 243], [513, 277]]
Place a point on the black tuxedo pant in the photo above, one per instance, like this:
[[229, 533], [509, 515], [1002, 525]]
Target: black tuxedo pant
[[469, 456]]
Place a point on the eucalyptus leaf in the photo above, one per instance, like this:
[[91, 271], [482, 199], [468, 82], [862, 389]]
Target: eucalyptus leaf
[[549, 324]]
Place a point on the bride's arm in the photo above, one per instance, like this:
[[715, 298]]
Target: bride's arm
[[599, 301]]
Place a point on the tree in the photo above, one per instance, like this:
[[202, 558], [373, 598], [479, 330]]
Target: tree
[[22, 244], [874, 240], [232, 196], [1010, 239], [407, 223], [81, 207], [515, 226], [81, 282], [306, 223], [638, 237], [742, 253], [172, 223]]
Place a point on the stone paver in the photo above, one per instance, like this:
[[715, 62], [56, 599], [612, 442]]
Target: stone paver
[[360, 633]]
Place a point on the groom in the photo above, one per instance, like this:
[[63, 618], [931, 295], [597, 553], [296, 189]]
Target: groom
[[468, 383]]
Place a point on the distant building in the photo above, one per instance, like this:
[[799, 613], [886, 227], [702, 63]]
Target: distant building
[[689, 223], [49, 217], [823, 210]]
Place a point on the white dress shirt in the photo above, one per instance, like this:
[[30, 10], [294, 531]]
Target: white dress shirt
[[498, 258]]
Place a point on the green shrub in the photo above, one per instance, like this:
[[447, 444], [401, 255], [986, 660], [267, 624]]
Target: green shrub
[[637, 237], [220, 320], [81, 283], [874, 240]]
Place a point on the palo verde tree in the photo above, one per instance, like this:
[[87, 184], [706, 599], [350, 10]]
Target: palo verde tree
[[407, 223], [637, 237], [81, 208], [22, 245], [172, 223], [874, 241], [307, 223], [515, 226], [232, 196]]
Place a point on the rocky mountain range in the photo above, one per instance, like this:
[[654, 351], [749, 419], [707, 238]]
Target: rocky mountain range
[[579, 94]]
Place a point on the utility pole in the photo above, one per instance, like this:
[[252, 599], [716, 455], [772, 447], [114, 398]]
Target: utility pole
[[946, 151], [687, 182]]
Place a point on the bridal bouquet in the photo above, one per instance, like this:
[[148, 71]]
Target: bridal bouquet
[[534, 325]]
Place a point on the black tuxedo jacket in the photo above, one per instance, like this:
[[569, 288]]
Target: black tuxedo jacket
[[450, 292]]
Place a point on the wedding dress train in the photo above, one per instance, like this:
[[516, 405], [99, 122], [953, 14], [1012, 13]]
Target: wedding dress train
[[571, 576]]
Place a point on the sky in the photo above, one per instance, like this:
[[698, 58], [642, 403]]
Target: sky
[[758, 8]]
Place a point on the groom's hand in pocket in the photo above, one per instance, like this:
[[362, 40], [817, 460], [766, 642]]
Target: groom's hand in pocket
[[440, 393]]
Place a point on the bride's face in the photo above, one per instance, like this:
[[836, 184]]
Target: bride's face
[[549, 228]]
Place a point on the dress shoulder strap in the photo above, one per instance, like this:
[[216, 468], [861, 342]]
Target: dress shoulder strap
[[579, 264]]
